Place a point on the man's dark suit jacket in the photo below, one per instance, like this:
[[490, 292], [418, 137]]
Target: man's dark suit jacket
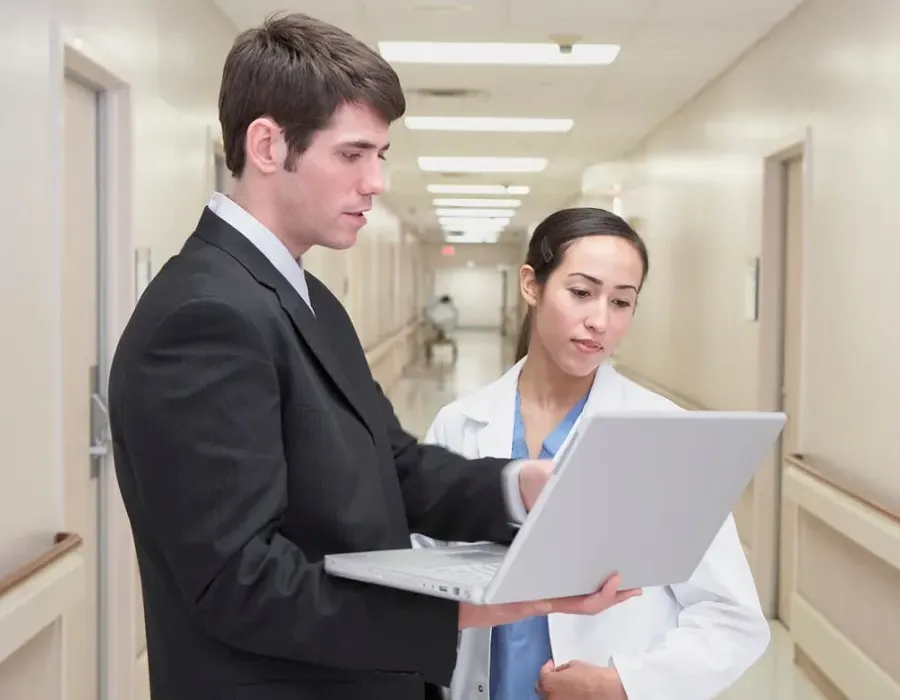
[[251, 440]]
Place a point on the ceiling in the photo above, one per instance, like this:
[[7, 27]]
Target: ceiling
[[670, 49]]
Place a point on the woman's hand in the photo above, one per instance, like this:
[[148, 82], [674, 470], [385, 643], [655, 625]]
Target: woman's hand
[[577, 680]]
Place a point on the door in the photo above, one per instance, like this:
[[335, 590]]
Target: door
[[791, 361], [80, 358]]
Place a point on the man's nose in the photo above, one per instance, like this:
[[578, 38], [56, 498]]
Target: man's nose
[[373, 181]]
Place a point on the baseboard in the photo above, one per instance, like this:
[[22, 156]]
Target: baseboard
[[853, 673]]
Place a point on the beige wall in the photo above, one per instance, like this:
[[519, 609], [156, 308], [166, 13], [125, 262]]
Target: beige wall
[[699, 194], [697, 187], [171, 54], [509, 256], [500, 254]]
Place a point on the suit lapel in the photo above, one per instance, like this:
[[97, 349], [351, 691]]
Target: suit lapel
[[311, 330]]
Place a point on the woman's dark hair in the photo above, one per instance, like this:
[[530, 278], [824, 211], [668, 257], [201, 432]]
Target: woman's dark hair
[[556, 233]]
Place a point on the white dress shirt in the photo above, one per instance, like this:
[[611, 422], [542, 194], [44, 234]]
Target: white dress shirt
[[267, 242]]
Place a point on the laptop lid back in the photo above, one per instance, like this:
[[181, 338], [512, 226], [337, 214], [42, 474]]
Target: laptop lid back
[[641, 493]]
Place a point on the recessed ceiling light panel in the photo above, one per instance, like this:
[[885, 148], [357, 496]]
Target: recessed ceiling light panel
[[491, 53], [492, 124], [476, 202], [488, 164], [519, 190]]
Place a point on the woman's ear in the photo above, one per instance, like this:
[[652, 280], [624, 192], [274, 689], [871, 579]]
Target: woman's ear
[[528, 285]]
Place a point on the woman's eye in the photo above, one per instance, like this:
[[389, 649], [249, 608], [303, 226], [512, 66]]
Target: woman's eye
[[580, 293], [622, 303]]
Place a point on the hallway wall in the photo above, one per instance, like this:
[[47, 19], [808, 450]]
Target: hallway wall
[[171, 53], [696, 186], [505, 256]]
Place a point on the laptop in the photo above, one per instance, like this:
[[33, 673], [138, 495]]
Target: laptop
[[641, 494]]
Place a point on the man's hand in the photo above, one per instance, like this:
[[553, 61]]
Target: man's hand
[[503, 614], [532, 477], [578, 680]]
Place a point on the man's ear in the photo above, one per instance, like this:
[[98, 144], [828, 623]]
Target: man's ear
[[265, 145]]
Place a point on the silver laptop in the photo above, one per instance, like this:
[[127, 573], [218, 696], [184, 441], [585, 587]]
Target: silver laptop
[[639, 493]]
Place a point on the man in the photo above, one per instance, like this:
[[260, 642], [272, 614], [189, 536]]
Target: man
[[250, 439]]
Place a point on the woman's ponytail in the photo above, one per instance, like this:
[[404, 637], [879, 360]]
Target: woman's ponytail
[[524, 336]]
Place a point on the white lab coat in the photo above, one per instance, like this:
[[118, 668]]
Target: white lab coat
[[690, 641]]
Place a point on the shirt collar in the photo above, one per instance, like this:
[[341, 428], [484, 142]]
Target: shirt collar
[[265, 241]]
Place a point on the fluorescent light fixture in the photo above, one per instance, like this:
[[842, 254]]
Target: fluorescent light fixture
[[455, 224], [511, 124], [451, 202], [452, 224], [490, 53], [464, 213], [471, 237], [464, 164], [479, 189]]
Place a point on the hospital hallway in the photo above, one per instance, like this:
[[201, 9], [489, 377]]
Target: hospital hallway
[[483, 356], [700, 193]]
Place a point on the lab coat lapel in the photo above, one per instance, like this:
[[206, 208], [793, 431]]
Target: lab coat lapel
[[606, 391], [497, 412]]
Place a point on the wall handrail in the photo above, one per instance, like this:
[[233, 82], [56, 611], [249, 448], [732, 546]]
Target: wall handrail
[[806, 464], [40, 591], [63, 543], [378, 349]]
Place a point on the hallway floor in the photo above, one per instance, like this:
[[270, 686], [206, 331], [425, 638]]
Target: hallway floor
[[483, 356]]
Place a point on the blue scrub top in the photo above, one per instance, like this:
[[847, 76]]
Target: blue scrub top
[[520, 649]]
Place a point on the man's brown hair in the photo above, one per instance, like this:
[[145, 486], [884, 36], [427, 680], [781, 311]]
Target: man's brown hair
[[298, 70]]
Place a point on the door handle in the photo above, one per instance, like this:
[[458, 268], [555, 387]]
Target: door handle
[[99, 429]]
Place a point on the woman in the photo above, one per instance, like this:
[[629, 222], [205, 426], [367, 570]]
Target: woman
[[581, 280]]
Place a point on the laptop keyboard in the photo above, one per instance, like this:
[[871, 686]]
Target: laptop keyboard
[[474, 573]]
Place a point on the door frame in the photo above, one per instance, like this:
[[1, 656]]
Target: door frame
[[72, 57], [765, 547]]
